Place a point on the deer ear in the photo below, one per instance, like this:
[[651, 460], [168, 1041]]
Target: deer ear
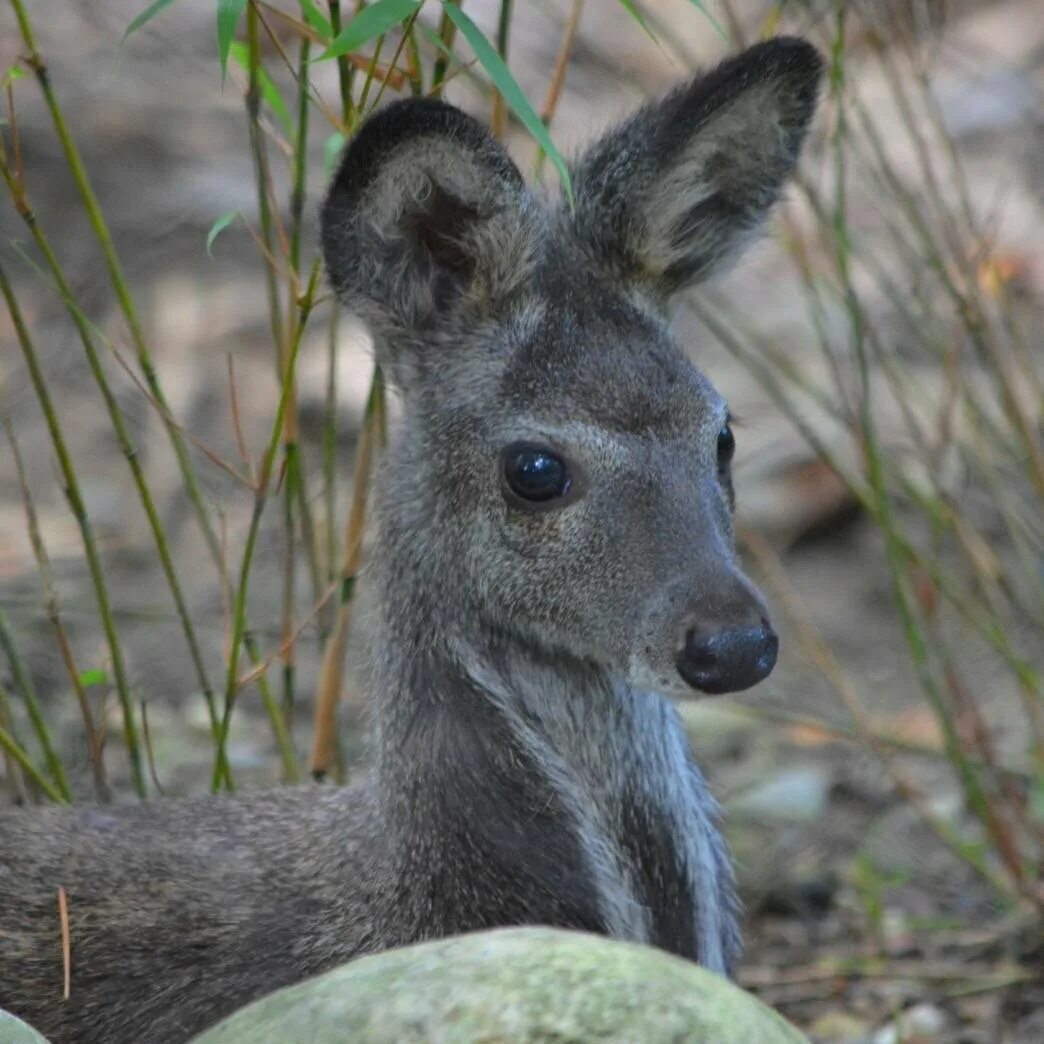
[[426, 216], [668, 195]]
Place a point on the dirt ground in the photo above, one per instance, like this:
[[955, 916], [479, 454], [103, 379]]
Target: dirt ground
[[860, 926]]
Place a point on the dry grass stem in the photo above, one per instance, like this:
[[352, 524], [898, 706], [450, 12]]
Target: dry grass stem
[[328, 693]]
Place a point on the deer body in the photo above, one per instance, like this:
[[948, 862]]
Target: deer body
[[554, 559], [507, 813]]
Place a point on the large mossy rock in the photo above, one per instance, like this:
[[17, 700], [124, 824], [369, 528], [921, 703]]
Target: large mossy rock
[[524, 985], [15, 1031]]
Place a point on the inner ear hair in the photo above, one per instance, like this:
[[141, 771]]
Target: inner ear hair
[[442, 229], [440, 233]]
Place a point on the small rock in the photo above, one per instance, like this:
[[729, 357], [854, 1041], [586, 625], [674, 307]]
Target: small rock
[[920, 1024], [838, 1027], [797, 795], [898, 936]]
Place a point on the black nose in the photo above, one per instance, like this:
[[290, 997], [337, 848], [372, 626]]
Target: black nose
[[730, 660]]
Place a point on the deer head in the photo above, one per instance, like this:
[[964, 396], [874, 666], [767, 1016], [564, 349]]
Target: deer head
[[563, 473]]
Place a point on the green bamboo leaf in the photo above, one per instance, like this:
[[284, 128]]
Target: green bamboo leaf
[[219, 226], [228, 13], [510, 90], [630, 7], [94, 676], [370, 23], [316, 19], [240, 54], [147, 15], [718, 28], [439, 44], [332, 149], [15, 72]]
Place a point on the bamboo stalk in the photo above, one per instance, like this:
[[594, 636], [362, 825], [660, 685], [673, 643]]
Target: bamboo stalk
[[76, 504], [297, 476], [330, 444], [25, 763], [260, 499], [120, 429], [15, 778], [498, 122], [295, 485], [345, 71], [150, 756], [280, 727], [13, 775], [900, 384], [965, 305], [968, 776], [344, 77], [400, 47], [326, 753], [447, 32], [291, 456], [95, 741], [24, 684], [79, 174], [826, 663], [984, 626], [263, 179], [413, 58]]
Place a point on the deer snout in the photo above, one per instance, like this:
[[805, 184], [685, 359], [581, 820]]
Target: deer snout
[[729, 660]]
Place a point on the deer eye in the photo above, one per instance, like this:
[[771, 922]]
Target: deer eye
[[726, 447], [535, 473]]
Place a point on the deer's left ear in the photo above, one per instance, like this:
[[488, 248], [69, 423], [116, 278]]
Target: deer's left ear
[[668, 195], [427, 216]]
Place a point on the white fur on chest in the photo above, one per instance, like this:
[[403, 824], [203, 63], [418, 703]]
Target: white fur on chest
[[651, 762], [602, 746]]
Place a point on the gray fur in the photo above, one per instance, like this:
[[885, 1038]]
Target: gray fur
[[527, 766]]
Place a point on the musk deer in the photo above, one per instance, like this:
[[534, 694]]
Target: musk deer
[[554, 560]]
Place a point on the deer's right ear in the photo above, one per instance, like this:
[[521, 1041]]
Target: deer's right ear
[[675, 190], [427, 218]]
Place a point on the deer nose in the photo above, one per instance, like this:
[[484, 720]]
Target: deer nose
[[728, 661]]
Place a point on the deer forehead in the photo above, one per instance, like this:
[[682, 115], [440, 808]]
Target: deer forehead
[[589, 357]]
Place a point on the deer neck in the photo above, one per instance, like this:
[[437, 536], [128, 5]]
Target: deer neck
[[575, 792]]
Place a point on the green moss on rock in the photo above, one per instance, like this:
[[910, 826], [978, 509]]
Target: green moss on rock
[[511, 986], [15, 1031]]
